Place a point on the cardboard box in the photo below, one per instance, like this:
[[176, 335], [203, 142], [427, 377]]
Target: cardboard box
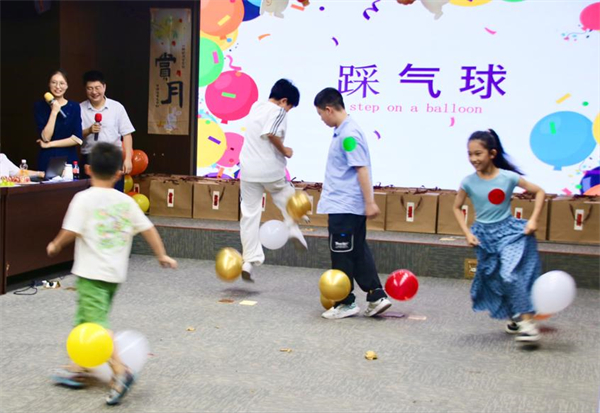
[[141, 183], [521, 207], [411, 210], [313, 190], [575, 220], [171, 197], [217, 199], [379, 223], [446, 222]]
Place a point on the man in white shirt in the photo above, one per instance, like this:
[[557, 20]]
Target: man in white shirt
[[114, 125], [262, 168]]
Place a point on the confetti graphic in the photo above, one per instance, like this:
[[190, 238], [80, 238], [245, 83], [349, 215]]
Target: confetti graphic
[[373, 8], [231, 66], [562, 99]]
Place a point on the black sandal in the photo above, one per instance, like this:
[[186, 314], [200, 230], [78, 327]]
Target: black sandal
[[122, 382]]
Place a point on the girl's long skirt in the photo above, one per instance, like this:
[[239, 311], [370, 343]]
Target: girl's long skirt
[[507, 265]]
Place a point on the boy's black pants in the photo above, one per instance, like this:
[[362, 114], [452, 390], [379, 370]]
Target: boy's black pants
[[351, 254]]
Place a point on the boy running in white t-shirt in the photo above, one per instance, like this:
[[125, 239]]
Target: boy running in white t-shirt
[[102, 221], [262, 168]]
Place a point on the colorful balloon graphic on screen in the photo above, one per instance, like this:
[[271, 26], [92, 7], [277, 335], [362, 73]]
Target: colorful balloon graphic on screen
[[221, 17], [231, 157], [562, 139], [223, 43], [251, 11], [593, 191], [596, 129], [469, 3], [231, 96], [255, 3], [590, 17], [590, 180], [211, 143], [211, 62]]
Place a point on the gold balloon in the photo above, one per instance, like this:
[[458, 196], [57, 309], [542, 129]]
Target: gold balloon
[[327, 303], [228, 264], [298, 205], [335, 285]]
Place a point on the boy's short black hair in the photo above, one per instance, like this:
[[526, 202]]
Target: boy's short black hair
[[283, 88], [106, 160], [93, 76], [329, 97]]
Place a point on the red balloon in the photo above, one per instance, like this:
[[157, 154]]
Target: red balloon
[[402, 285], [139, 162]]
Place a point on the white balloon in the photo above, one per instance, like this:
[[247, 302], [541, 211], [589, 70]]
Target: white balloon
[[133, 350], [274, 234], [553, 292]]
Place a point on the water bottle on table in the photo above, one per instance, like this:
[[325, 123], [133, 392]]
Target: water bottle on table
[[23, 174]]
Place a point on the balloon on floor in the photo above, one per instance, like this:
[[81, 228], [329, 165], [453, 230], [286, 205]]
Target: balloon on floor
[[274, 234], [133, 349], [402, 285], [334, 285], [553, 292], [228, 264], [327, 303], [89, 345]]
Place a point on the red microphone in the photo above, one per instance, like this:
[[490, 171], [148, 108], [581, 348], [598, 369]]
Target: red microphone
[[98, 119]]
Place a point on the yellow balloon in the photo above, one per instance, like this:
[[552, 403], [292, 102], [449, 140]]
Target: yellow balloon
[[469, 3], [327, 303], [298, 205], [128, 184], [89, 345], [212, 143], [225, 43], [143, 201], [335, 285], [228, 264], [596, 128]]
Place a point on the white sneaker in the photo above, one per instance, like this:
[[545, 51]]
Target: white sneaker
[[377, 307], [247, 272], [528, 332], [341, 311], [297, 237]]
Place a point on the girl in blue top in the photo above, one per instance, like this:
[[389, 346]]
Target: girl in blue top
[[507, 256], [59, 134]]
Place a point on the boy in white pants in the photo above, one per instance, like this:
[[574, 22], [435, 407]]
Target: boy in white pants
[[262, 168]]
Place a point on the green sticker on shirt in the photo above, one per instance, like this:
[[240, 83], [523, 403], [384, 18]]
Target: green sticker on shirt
[[349, 144]]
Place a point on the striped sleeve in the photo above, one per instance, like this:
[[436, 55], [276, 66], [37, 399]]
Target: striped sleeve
[[273, 123]]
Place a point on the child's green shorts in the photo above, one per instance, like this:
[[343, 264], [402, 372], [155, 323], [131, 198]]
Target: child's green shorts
[[95, 300]]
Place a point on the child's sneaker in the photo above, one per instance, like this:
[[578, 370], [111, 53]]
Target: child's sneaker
[[528, 332], [512, 327], [377, 307], [341, 311], [122, 385], [247, 272], [70, 379]]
